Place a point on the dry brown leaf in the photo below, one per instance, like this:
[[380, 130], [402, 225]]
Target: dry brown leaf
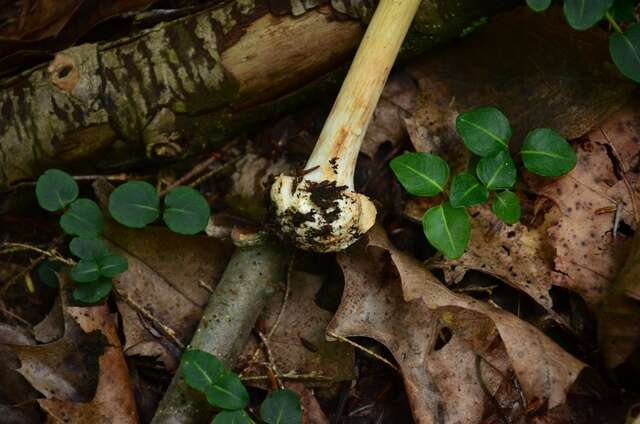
[[565, 81], [515, 254], [373, 305], [164, 289], [619, 314], [311, 411], [298, 344], [113, 401], [588, 256], [396, 104]]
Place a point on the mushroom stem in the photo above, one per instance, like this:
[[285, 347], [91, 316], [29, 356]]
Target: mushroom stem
[[347, 123], [322, 212]]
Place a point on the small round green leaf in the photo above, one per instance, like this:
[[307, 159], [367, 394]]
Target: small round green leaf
[[134, 204], [48, 274], [506, 206], [55, 189], [466, 191], [547, 153], [625, 51], [484, 130], [186, 211], [227, 392], [200, 369], [93, 292], [83, 218], [497, 171], [538, 5], [88, 248], [421, 174], [232, 417], [447, 229], [112, 265], [583, 14], [281, 407], [85, 271]]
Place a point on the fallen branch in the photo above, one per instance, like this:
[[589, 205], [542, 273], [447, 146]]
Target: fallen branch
[[181, 86], [249, 281]]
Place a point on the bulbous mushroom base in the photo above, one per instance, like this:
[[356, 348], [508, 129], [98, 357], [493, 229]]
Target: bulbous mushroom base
[[320, 216]]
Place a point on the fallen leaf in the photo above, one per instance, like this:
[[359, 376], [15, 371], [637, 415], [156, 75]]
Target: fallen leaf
[[406, 314], [565, 81], [162, 294], [298, 344], [619, 314], [113, 401], [517, 255], [588, 256]]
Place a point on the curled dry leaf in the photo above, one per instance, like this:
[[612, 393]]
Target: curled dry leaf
[[298, 344], [113, 401], [165, 287], [406, 314]]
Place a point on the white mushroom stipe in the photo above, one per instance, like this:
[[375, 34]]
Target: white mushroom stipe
[[321, 210], [321, 217]]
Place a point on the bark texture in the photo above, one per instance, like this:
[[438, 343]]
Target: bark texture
[[250, 279], [183, 85]]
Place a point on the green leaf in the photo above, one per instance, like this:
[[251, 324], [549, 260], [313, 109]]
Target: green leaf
[[447, 229], [421, 174], [88, 248], [85, 271], [497, 171], [93, 292], [55, 189], [484, 130], [186, 211], [625, 51], [112, 265], [583, 14], [281, 407], [466, 191], [539, 5], [506, 206], [232, 417], [48, 274], [134, 204], [83, 218], [547, 153], [200, 369], [227, 392]]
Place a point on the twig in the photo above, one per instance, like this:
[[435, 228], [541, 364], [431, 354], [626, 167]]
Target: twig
[[205, 286], [270, 363], [51, 253], [11, 314], [166, 330], [364, 349], [196, 170], [228, 164], [291, 375]]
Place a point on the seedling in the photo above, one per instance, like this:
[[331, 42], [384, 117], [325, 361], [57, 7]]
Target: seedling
[[134, 204], [486, 132], [224, 391], [624, 44]]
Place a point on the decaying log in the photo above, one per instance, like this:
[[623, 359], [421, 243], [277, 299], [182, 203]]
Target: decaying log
[[248, 283], [183, 85]]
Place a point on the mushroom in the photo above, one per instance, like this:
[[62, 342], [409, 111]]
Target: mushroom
[[321, 211]]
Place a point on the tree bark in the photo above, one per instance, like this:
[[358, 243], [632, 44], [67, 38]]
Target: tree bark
[[181, 86]]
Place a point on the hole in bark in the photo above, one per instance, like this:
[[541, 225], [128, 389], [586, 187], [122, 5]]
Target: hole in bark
[[62, 73]]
